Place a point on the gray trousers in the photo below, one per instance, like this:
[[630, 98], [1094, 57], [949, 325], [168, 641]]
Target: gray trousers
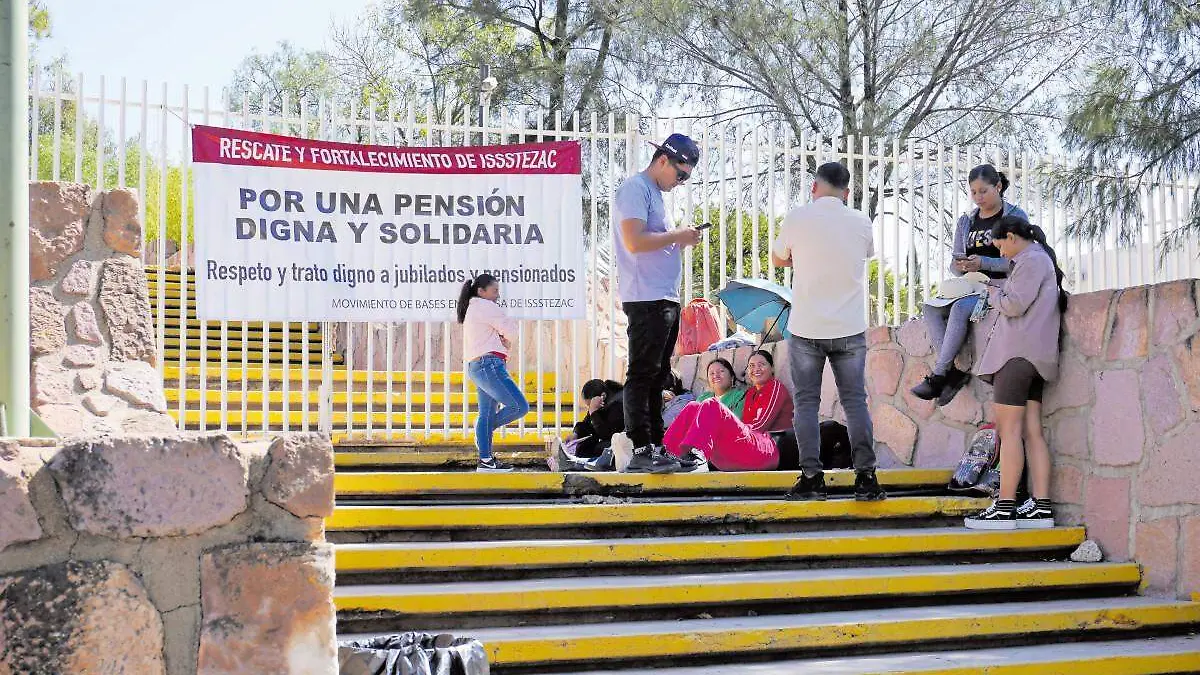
[[847, 358]]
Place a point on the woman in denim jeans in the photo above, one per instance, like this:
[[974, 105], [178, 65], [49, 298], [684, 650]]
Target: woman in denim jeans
[[974, 251], [487, 339]]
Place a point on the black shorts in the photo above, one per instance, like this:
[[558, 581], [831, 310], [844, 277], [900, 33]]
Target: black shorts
[[1017, 382]]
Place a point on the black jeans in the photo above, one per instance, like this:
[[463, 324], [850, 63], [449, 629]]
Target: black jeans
[[653, 329]]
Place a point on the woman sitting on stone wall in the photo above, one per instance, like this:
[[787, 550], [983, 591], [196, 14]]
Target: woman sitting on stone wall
[[1020, 356], [729, 441], [948, 323]]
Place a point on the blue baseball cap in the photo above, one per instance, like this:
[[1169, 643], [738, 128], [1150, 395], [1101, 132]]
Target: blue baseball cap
[[680, 148]]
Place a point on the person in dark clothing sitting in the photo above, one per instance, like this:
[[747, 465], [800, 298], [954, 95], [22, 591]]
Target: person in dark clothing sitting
[[606, 416]]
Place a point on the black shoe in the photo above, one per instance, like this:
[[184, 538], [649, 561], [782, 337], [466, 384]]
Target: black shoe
[[954, 381], [807, 489], [493, 465], [930, 388], [605, 462], [650, 459], [1032, 516], [866, 487], [1001, 515], [692, 460]]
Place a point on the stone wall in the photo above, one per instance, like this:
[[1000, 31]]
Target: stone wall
[[1123, 420], [145, 555], [92, 342]]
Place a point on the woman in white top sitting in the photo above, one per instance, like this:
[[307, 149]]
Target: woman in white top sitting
[[487, 338]]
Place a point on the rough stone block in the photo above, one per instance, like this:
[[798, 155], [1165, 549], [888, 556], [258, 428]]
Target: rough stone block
[[1160, 395], [1170, 476], [1131, 325], [87, 329], [914, 339], [20, 521], [1156, 543], [47, 326], [98, 404], [1174, 311], [916, 371], [151, 486], [1066, 484], [1107, 510], [1086, 321], [965, 408], [300, 475], [1069, 437], [122, 227], [1072, 389], [1087, 552], [883, 371], [58, 219], [50, 384], [1189, 575], [72, 420], [138, 383], [895, 429], [144, 422], [268, 609], [80, 356], [78, 280], [79, 617], [879, 335], [87, 379], [1187, 355], [939, 446], [1118, 435], [123, 297]]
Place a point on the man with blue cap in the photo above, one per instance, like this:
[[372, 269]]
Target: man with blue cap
[[649, 270]]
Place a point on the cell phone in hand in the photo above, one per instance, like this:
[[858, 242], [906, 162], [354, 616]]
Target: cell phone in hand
[[961, 256], [704, 226]]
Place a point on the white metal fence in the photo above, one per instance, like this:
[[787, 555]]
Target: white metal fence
[[119, 135]]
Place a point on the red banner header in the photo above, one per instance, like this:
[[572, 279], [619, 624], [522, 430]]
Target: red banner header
[[217, 145]]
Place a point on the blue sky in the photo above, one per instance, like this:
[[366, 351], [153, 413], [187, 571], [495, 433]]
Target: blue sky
[[183, 42]]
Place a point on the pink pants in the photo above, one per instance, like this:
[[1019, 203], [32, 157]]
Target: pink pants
[[724, 439]]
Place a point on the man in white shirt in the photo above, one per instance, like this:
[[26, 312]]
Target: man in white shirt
[[827, 245]]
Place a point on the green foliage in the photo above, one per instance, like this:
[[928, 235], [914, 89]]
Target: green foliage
[[738, 261], [39, 20], [286, 74]]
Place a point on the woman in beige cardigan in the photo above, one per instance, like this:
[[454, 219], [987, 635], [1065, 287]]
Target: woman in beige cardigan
[[1020, 356]]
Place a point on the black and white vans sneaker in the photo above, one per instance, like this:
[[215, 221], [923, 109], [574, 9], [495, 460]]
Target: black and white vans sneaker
[[1001, 515], [1035, 514], [493, 465], [692, 460]]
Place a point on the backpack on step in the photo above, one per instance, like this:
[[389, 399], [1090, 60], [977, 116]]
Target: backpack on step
[[980, 457]]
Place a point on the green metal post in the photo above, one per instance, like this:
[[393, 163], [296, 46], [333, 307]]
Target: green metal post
[[14, 217]]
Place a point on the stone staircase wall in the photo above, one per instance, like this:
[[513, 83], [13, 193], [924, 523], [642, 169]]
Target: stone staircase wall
[[92, 344], [166, 555], [1123, 420]]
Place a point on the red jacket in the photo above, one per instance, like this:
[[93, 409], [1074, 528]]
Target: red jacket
[[768, 408]]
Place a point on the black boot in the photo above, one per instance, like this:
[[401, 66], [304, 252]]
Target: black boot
[[930, 388], [866, 487], [954, 381], [807, 489]]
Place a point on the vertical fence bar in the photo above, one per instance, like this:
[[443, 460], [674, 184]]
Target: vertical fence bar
[[881, 228], [78, 175], [160, 284], [186, 291], [100, 138], [612, 258], [35, 121], [58, 105], [121, 134]]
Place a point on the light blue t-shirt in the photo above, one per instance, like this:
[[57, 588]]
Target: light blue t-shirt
[[644, 276]]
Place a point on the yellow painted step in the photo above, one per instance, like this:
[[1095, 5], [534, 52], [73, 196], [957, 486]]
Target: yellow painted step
[[193, 323], [846, 631], [1156, 656], [642, 591], [696, 549], [213, 355], [573, 515], [234, 343], [235, 332], [400, 484], [379, 399], [437, 459], [172, 372], [295, 418]]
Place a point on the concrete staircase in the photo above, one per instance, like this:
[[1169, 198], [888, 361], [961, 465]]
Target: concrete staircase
[[272, 376], [714, 573]]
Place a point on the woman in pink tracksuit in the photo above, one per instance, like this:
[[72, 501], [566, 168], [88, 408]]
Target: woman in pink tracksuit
[[731, 443]]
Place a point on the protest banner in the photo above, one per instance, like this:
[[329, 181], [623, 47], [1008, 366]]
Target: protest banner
[[290, 229]]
